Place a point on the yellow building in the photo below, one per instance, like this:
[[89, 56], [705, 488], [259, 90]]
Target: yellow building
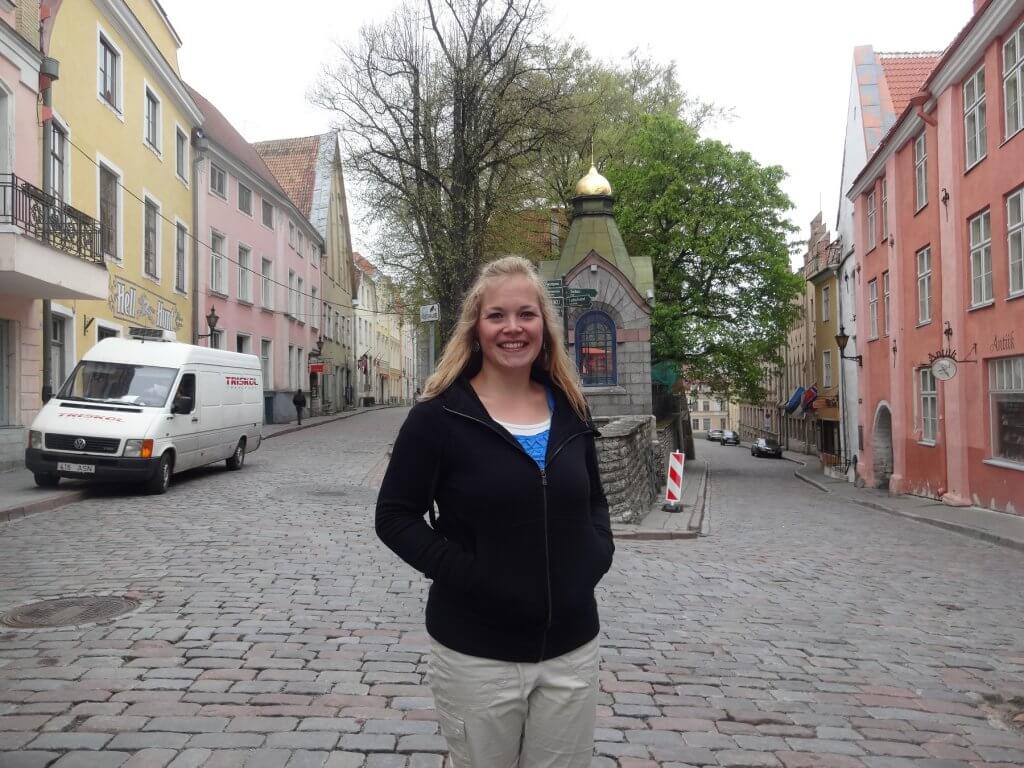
[[821, 265], [121, 137]]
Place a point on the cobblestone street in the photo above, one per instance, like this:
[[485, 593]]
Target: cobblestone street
[[275, 631]]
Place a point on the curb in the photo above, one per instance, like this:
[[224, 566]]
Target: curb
[[43, 505], [974, 533], [337, 417], [653, 535], [810, 481], [636, 533]]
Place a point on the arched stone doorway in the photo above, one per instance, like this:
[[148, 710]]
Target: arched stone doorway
[[881, 447]]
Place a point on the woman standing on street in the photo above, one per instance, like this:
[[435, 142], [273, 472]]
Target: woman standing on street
[[501, 441]]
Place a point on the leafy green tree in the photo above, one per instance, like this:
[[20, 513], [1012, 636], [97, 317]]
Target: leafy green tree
[[713, 221]]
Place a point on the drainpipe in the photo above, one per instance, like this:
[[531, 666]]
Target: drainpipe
[[917, 101], [49, 71], [199, 148]]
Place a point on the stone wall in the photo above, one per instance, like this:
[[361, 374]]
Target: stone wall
[[629, 455]]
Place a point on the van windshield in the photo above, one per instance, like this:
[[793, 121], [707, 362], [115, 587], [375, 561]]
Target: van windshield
[[144, 385]]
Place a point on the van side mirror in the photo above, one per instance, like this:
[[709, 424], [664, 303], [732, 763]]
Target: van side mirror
[[182, 404]]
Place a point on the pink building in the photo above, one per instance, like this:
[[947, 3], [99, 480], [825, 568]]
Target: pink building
[[940, 286], [60, 263], [257, 264]]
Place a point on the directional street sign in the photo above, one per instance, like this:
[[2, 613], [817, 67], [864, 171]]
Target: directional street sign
[[578, 301], [589, 292], [553, 285], [557, 302]]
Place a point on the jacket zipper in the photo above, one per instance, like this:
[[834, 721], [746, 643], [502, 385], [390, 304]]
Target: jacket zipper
[[544, 496]]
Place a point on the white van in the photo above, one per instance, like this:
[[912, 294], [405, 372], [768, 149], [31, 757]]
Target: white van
[[141, 410]]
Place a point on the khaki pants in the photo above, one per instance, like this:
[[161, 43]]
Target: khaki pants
[[500, 714]]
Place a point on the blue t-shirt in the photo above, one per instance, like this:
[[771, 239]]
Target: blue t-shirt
[[534, 437]]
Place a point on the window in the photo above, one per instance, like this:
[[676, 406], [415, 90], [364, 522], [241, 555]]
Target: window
[[1015, 240], [975, 133], [1006, 395], [826, 368], [301, 248], [244, 273], [58, 357], [920, 172], [315, 306], [218, 264], [981, 259], [109, 74], [58, 154], [885, 210], [152, 120], [924, 285], [291, 367], [267, 275], [707, 424], [696, 423], [180, 240], [885, 302], [268, 214], [595, 349], [243, 343], [929, 406], [265, 362], [706, 404], [109, 214], [872, 213], [151, 240], [300, 301], [217, 339], [1013, 81], [244, 199], [291, 234], [826, 304], [873, 308], [181, 154], [218, 181], [291, 293]]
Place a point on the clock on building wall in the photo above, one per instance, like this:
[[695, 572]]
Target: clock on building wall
[[944, 368]]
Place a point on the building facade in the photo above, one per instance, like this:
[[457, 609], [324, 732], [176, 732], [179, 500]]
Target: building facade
[[610, 339], [122, 123], [257, 266], [943, 388], [60, 265]]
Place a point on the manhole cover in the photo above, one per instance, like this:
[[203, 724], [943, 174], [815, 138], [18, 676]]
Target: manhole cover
[[68, 611]]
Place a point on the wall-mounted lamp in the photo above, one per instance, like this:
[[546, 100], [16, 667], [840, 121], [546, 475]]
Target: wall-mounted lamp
[[944, 197], [841, 341], [593, 269], [211, 323]]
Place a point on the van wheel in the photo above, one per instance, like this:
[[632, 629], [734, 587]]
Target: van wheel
[[45, 479], [161, 479], [238, 457]]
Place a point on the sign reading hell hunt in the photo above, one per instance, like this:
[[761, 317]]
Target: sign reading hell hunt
[[132, 302]]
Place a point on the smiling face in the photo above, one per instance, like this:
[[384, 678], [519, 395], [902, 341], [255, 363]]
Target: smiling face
[[510, 328]]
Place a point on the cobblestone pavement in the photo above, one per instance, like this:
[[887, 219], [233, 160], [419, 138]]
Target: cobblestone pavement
[[276, 632]]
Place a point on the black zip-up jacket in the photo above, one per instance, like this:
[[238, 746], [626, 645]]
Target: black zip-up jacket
[[517, 550]]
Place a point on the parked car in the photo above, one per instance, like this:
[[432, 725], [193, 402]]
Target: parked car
[[729, 437], [765, 446], [135, 410], [714, 434]]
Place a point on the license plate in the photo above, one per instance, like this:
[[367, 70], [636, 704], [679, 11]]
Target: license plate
[[85, 469]]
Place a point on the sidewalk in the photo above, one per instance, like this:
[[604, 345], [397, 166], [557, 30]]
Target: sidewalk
[[20, 496], [658, 524], [996, 527]]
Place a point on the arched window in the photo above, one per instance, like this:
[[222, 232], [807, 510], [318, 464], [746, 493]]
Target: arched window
[[595, 349]]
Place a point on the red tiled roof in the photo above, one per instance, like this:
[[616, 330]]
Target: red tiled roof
[[293, 162], [219, 129], [905, 73], [364, 264]]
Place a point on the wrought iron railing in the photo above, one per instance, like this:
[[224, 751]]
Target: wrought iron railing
[[48, 219]]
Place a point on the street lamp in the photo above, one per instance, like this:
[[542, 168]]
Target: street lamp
[[211, 322], [841, 340]]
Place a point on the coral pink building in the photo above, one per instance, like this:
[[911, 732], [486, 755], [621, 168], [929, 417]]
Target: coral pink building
[[258, 264], [939, 211]]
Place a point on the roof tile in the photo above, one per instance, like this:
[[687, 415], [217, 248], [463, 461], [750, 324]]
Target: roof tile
[[293, 163], [905, 73]]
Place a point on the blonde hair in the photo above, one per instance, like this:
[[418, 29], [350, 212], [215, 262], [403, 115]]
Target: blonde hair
[[458, 352]]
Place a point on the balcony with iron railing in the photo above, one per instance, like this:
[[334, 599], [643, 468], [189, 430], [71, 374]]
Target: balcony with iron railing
[[48, 249]]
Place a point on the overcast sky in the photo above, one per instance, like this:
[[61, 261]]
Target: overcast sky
[[782, 65]]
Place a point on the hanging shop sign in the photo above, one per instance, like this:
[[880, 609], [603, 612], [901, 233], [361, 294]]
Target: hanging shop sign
[[133, 302]]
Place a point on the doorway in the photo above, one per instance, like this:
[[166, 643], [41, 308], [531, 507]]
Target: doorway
[[881, 448]]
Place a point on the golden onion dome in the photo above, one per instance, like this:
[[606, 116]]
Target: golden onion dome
[[593, 184]]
